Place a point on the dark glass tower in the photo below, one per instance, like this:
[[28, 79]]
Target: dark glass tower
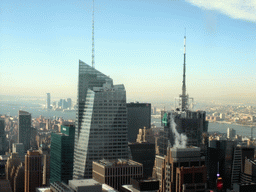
[[2, 137], [101, 122], [24, 131], [138, 116], [62, 154]]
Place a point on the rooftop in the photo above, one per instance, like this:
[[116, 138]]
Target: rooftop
[[118, 162], [83, 182]]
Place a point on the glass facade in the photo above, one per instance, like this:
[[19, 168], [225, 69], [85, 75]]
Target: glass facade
[[62, 154], [101, 122], [24, 131]]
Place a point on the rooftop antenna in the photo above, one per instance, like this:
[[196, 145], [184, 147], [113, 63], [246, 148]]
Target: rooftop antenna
[[93, 62], [184, 97]]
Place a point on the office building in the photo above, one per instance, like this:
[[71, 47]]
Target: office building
[[19, 148], [2, 137], [220, 156], [138, 116], [101, 122], [45, 151], [48, 101], [88, 185], [144, 153], [33, 170], [146, 135], [116, 173], [231, 133], [12, 163], [69, 103], [19, 178], [5, 186], [58, 186], [62, 154], [24, 129], [239, 158], [191, 124], [182, 169], [139, 185]]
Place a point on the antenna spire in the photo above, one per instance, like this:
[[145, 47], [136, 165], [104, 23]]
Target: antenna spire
[[93, 62], [184, 97]]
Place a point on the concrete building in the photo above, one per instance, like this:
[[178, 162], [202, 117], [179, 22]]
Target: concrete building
[[182, 169], [19, 178], [62, 154], [139, 185], [138, 116], [24, 129], [45, 151], [145, 135], [116, 173], [33, 171], [2, 137], [101, 122], [58, 186], [231, 133], [12, 161], [19, 148], [88, 185]]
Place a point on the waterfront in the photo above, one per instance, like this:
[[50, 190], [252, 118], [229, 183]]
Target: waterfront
[[11, 109]]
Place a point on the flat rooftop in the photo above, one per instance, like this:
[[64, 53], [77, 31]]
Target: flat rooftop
[[118, 162], [83, 182]]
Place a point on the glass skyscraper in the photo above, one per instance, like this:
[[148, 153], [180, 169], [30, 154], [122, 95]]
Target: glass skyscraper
[[24, 130], [101, 122], [62, 154]]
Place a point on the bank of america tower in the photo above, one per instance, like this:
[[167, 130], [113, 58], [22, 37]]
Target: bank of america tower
[[101, 121]]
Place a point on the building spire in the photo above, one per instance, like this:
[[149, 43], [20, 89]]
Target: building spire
[[184, 96], [93, 62]]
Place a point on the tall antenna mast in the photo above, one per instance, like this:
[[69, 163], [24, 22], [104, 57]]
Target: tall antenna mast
[[93, 62], [184, 97]]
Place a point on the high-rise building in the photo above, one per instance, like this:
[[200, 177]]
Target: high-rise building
[[191, 124], [101, 122], [117, 172], [219, 162], [24, 130], [69, 103], [19, 148], [18, 184], [182, 169], [62, 154], [45, 151], [231, 133], [33, 170], [138, 117], [48, 101], [2, 137]]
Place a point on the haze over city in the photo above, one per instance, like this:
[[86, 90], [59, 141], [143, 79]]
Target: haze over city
[[137, 43]]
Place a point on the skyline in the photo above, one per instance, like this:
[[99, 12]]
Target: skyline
[[137, 43]]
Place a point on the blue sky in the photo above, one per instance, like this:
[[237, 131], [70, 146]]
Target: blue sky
[[138, 43]]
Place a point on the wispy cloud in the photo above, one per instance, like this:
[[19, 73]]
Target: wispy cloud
[[237, 9]]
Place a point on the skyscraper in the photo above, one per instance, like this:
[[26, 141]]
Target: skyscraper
[[48, 101], [2, 137], [138, 117], [101, 122], [24, 130], [69, 103], [62, 154], [33, 170]]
